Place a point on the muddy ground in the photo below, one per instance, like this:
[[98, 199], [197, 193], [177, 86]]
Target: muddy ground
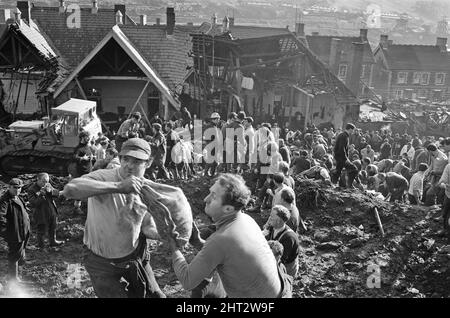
[[343, 253]]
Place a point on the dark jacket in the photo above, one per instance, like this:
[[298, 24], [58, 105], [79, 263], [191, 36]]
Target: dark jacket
[[285, 154], [43, 205], [341, 147], [83, 166], [14, 214], [289, 239], [159, 148]]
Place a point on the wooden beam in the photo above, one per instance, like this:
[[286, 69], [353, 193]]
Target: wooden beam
[[80, 88], [139, 98], [107, 63], [6, 58], [13, 44], [116, 78], [123, 66], [286, 58]]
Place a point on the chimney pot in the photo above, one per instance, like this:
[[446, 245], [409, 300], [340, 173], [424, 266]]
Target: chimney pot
[[315, 33], [300, 29], [231, 21], [25, 9], [214, 19], [119, 17], [62, 6], [122, 9], [143, 19], [190, 23], [170, 12], [94, 7], [442, 43], [158, 21], [17, 15]]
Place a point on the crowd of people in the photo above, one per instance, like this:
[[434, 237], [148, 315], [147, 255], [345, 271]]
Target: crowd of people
[[236, 257]]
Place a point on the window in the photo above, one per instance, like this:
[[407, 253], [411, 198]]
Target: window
[[342, 71], [398, 94], [416, 78], [440, 79], [424, 78], [402, 77], [422, 93], [363, 71], [152, 101]]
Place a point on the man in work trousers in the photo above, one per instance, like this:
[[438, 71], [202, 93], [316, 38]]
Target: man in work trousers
[[14, 215], [117, 225], [341, 156], [42, 196]]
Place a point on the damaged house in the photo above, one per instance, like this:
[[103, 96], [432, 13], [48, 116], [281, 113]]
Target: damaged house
[[108, 58], [267, 72], [342, 54]]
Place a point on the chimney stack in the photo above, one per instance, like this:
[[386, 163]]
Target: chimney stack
[[190, 24], [122, 9], [5, 14], [143, 19], [231, 21], [214, 19], [62, 6], [226, 24], [170, 13], [384, 40], [354, 74], [94, 7], [315, 33], [119, 18], [25, 9], [363, 34], [442, 43], [158, 21], [335, 55], [300, 29], [17, 16]]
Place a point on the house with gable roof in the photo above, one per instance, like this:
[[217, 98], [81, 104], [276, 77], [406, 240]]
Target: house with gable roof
[[420, 72], [122, 65]]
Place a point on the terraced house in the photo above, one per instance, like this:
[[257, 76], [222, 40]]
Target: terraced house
[[419, 72]]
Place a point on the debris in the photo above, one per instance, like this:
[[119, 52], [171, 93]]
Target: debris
[[329, 246]]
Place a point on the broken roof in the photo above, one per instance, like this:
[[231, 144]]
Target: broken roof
[[415, 57], [240, 32], [321, 46]]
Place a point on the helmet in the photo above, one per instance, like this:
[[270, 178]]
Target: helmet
[[215, 116]]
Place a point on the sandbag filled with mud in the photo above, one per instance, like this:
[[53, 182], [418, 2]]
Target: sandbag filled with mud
[[178, 206]]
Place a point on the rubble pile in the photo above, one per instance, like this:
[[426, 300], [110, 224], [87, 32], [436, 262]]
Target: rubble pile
[[343, 253]]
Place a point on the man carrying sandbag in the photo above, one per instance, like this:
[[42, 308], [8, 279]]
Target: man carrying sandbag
[[117, 225], [237, 250]]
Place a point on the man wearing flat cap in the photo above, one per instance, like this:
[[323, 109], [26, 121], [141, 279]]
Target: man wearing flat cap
[[117, 225], [16, 232]]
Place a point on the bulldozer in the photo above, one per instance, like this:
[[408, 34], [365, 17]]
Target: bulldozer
[[48, 145]]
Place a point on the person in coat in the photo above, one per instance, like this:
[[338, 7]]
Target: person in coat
[[42, 196], [15, 227]]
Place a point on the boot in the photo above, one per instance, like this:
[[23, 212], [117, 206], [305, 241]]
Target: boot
[[53, 241]]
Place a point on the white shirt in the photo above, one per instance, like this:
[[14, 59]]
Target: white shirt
[[114, 220], [416, 183]]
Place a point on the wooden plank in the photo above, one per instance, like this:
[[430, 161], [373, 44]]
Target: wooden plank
[[80, 88]]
